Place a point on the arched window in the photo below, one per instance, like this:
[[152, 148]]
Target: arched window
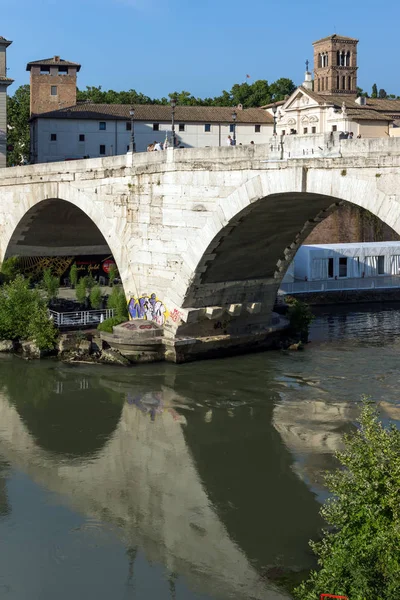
[[319, 60], [349, 83], [326, 83], [319, 85], [338, 82], [348, 58], [323, 84], [343, 82], [338, 58]]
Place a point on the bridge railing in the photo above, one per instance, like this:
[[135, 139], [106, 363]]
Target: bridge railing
[[80, 318], [338, 285]]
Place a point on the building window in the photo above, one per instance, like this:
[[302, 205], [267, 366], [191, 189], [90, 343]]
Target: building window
[[102, 149], [207, 127], [326, 83], [323, 84], [334, 127], [53, 91], [231, 128], [53, 137], [381, 265], [349, 83], [156, 126], [257, 128], [45, 70], [338, 82], [305, 130], [181, 126], [81, 137], [102, 125], [128, 126], [313, 130], [342, 267], [63, 70], [330, 268], [343, 82]]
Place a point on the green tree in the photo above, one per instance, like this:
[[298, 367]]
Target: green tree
[[18, 130], [359, 555], [24, 315], [90, 282], [95, 297], [300, 317], [374, 91], [382, 94], [11, 268], [50, 284], [73, 275], [117, 301], [112, 274], [80, 290]]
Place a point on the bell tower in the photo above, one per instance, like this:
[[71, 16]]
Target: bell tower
[[335, 65]]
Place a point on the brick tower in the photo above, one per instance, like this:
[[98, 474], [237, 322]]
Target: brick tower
[[53, 84], [335, 65]]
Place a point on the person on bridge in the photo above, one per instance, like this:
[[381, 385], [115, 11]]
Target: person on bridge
[[229, 141]]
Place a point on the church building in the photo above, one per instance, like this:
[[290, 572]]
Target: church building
[[330, 102]]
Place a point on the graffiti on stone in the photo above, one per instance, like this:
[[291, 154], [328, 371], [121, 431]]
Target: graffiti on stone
[[176, 315], [148, 307]]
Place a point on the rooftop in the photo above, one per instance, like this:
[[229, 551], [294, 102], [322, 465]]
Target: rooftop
[[54, 61], [161, 113], [337, 37], [4, 42]]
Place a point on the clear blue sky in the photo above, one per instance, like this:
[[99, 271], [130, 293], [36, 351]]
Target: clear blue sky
[[202, 46]]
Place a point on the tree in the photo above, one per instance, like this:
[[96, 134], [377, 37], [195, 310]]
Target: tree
[[10, 268], [112, 274], [117, 301], [50, 284], [382, 94], [95, 297], [80, 290], [18, 129], [374, 91], [73, 275], [24, 315], [359, 555], [300, 317]]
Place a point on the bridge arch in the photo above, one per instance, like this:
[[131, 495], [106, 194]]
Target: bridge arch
[[68, 223], [243, 252]]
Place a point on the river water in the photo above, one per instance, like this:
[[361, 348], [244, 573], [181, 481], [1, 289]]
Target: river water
[[198, 481]]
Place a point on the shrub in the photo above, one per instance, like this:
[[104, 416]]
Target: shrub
[[73, 275], [95, 297], [50, 284], [117, 301], [108, 324], [24, 315], [359, 556], [80, 290], [10, 268], [300, 317], [112, 274], [90, 282]]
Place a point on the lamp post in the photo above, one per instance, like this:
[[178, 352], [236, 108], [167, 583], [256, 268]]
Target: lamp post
[[234, 117], [173, 105], [132, 145], [274, 109]]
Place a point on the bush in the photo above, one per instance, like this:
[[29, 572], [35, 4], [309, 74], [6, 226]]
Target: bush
[[24, 315], [80, 290], [50, 284], [90, 282], [359, 556], [73, 275], [95, 297], [10, 268], [117, 301], [108, 324], [300, 317], [112, 274]]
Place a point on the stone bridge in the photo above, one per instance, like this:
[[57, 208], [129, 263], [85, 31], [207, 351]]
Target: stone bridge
[[209, 231]]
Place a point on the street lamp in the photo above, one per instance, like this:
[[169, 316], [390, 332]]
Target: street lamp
[[132, 145], [234, 117], [173, 105], [274, 109]]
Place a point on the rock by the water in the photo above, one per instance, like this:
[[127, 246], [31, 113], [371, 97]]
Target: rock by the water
[[6, 346], [298, 346], [30, 350], [113, 357], [85, 347]]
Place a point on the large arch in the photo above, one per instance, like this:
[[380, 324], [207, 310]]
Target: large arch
[[244, 250]]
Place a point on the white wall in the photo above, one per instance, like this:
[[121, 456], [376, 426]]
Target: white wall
[[116, 137]]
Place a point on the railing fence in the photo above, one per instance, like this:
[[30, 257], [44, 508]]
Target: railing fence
[[80, 318]]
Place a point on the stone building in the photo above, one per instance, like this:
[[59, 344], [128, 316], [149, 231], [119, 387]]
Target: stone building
[[62, 129], [4, 83], [330, 102]]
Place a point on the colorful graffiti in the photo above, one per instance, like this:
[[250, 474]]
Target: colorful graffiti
[[149, 308]]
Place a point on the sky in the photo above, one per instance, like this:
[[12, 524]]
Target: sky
[[203, 46]]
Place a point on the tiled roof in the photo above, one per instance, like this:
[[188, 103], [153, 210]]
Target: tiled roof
[[336, 37], [6, 80], [4, 42], [161, 113], [384, 104], [54, 61], [272, 104], [367, 115]]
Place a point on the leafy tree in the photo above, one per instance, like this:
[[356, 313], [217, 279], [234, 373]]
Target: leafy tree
[[90, 282], [80, 290], [73, 275], [24, 315], [95, 297], [112, 274], [382, 94], [359, 555], [117, 301], [374, 91], [18, 131], [300, 317], [50, 284], [10, 268]]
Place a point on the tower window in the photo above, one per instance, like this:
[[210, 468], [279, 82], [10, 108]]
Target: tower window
[[53, 137], [181, 126], [156, 126], [343, 82], [207, 127], [326, 83], [45, 70], [128, 126], [319, 60], [337, 82], [102, 149], [63, 70], [319, 85], [323, 84], [349, 83], [53, 91], [102, 125], [81, 137], [257, 128]]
